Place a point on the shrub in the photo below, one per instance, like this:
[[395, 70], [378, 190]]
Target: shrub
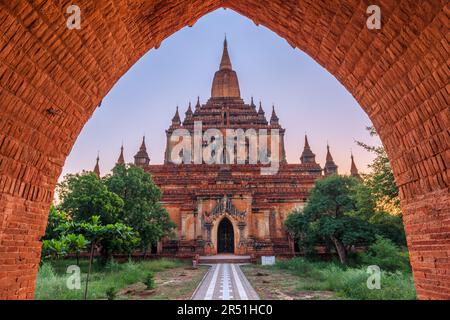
[[394, 286], [112, 266], [111, 293], [346, 282], [46, 271], [150, 281], [385, 254]]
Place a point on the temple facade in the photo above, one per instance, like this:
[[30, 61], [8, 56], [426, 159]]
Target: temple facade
[[229, 206]]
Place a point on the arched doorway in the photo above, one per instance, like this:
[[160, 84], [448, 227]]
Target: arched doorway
[[225, 237]]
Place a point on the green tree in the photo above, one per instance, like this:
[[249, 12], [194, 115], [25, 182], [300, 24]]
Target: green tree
[[384, 253], [85, 195], [76, 243], [97, 234], [116, 237], [54, 248], [380, 180], [330, 216], [55, 218], [63, 245], [142, 209], [378, 196]]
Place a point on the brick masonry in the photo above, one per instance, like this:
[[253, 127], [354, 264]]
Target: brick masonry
[[52, 79]]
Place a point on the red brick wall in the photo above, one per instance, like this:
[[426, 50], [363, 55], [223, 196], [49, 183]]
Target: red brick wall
[[51, 80]]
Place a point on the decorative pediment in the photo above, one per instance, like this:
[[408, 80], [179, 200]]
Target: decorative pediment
[[225, 205]]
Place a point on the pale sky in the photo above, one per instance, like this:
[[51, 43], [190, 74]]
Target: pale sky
[[307, 98]]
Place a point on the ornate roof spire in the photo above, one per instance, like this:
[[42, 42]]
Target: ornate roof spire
[[97, 166], [225, 63], [198, 103], [307, 155], [189, 110], [307, 143], [330, 166], [143, 146], [260, 110], [176, 118], [274, 118], [252, 103], [121, 160], [353, 169], [261, 114], [225, 83], [141, 158], [329, 156]]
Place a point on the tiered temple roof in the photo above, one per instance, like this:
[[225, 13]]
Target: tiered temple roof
[[225, 108]]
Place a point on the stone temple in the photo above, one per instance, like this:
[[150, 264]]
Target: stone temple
[[231, 208]]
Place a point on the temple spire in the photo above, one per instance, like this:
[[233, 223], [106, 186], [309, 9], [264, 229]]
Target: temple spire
[[353, 169], [97, 166], [225, 63], [176, 120], [274, 118], [197, 106], [307, 155], [260, 110], [141, 158], [143, 146], [225, 83], [307, 143], [121, 160], [189, 110], [329, 156], [330, 167]]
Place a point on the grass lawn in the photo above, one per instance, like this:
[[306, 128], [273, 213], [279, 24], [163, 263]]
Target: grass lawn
[[302, 279], [174, 279], [276, 284]]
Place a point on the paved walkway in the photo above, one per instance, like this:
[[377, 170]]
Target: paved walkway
[[225, 281]]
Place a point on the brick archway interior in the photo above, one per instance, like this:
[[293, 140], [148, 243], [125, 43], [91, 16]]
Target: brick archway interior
[[52, 79]]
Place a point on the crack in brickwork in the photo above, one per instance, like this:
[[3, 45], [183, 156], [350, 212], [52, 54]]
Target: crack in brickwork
[[399, 76]]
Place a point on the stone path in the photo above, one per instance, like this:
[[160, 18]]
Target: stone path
[[225, 281]]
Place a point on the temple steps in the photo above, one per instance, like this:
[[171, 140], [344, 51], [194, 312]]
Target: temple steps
[[224, 258]]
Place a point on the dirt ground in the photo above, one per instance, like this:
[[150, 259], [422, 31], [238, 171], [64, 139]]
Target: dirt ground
[[174, 284], [277, 284]]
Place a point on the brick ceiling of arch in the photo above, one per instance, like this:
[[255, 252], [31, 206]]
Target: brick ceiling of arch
[[53, 78]]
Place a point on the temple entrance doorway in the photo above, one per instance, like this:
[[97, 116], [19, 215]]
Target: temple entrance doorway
[[225, 237]]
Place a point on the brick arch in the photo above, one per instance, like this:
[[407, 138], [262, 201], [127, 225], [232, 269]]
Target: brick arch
[[52, 79]]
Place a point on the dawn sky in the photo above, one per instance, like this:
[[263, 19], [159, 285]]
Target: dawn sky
[[307, 98]]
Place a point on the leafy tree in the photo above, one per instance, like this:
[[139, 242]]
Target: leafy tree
[[54, 248], [385, 254], [381, 181], [330, 216], [76, 243], [116, 237], [84, 195], [142, 209], [378, 197], [118, 234], [384, 224], [55, 218], [65, 244]]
